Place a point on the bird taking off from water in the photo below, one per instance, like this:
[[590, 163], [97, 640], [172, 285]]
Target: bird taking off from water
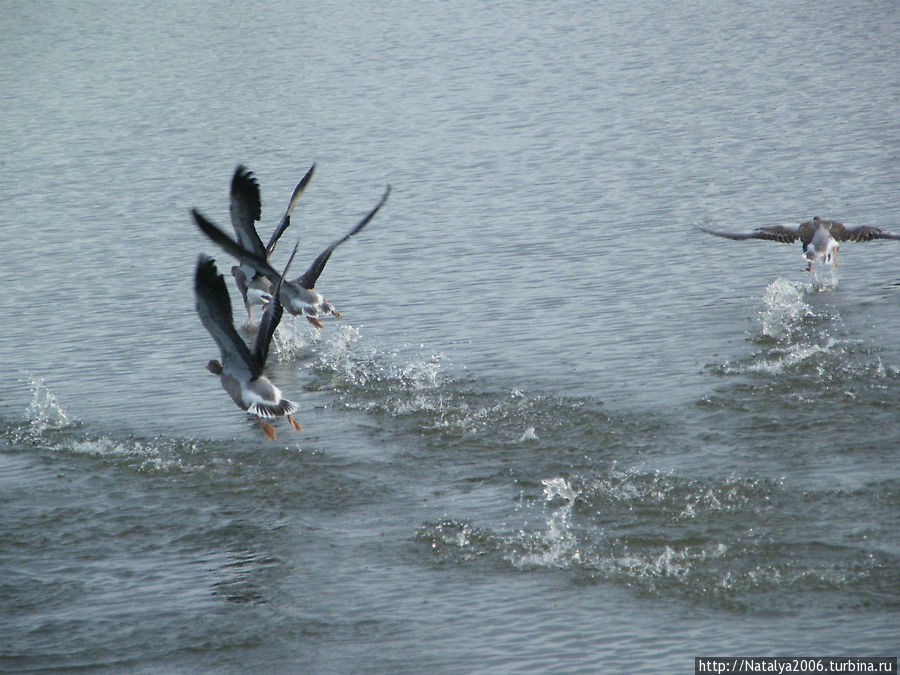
[[241, 367], [298, 296], [820, 238], [245, 208]]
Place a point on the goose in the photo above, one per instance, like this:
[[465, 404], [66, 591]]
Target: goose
[[298, 296], [820, 238], [246, 209], [241, 368]]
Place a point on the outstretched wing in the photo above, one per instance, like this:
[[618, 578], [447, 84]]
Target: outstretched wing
[[257, 262], [270, 319], [246, 209], [267, 325], [786, 234], [286, 218], [860, 233], [214, 308], [309, 278]]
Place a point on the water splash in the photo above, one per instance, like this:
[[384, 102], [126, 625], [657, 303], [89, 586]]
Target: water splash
[[559, 487], [528, 435], [50, 428], [395, 382], [670, 563], [422, 373], [801, 344], [421, 387], [557, 545], [821, 282], [293, 338], [695, 538], [347, 360], [784, 308], [457, 541], [813, 360], [156, 456], [790, 358], [44, 412], [678, 498]]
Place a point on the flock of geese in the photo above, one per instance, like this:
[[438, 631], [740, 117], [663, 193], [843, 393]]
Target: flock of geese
[[261, 285], [241, 367]]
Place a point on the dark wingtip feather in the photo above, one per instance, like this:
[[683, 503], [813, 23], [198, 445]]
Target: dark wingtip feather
[[206, 273], [286, 219], [232, 247], [309, 278], [245, 185], [210, 289]]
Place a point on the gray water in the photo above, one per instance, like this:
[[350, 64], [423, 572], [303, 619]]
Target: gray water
[[556, 428]]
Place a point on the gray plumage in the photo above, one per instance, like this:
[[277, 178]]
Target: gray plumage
[[820, 238], [240, 368], [299, 295], [246, 209]]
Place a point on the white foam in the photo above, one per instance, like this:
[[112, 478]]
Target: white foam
[[528, 435], [339, 354], [776, 363], [559, 487], [293, 338], [783, 308], [404, 384], [149, 456], [557, 545], [44, 412]]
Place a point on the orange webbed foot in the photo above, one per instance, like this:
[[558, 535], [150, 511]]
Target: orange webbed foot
[[267, 428], [295, 425]]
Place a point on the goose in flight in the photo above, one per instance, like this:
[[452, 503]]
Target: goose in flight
[[246, 209], [820, 238], [298, 296], [241, 368]]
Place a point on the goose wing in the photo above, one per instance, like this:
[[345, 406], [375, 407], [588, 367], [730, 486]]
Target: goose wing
[[270, 319], [214, 308], [860, 233], [286, 218], [257, 262], [786, 234], [246, 209], [311, 275]]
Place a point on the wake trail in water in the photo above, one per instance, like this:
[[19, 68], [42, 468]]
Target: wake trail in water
[[736, 541], [49, 428], [740, 543], [799, 341]]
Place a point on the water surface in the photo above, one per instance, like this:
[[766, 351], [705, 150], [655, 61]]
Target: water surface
[[556, 428]]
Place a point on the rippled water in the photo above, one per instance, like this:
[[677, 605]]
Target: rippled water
[[556, 428]]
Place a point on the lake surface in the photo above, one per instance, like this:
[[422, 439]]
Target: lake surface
[[557, 428]]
